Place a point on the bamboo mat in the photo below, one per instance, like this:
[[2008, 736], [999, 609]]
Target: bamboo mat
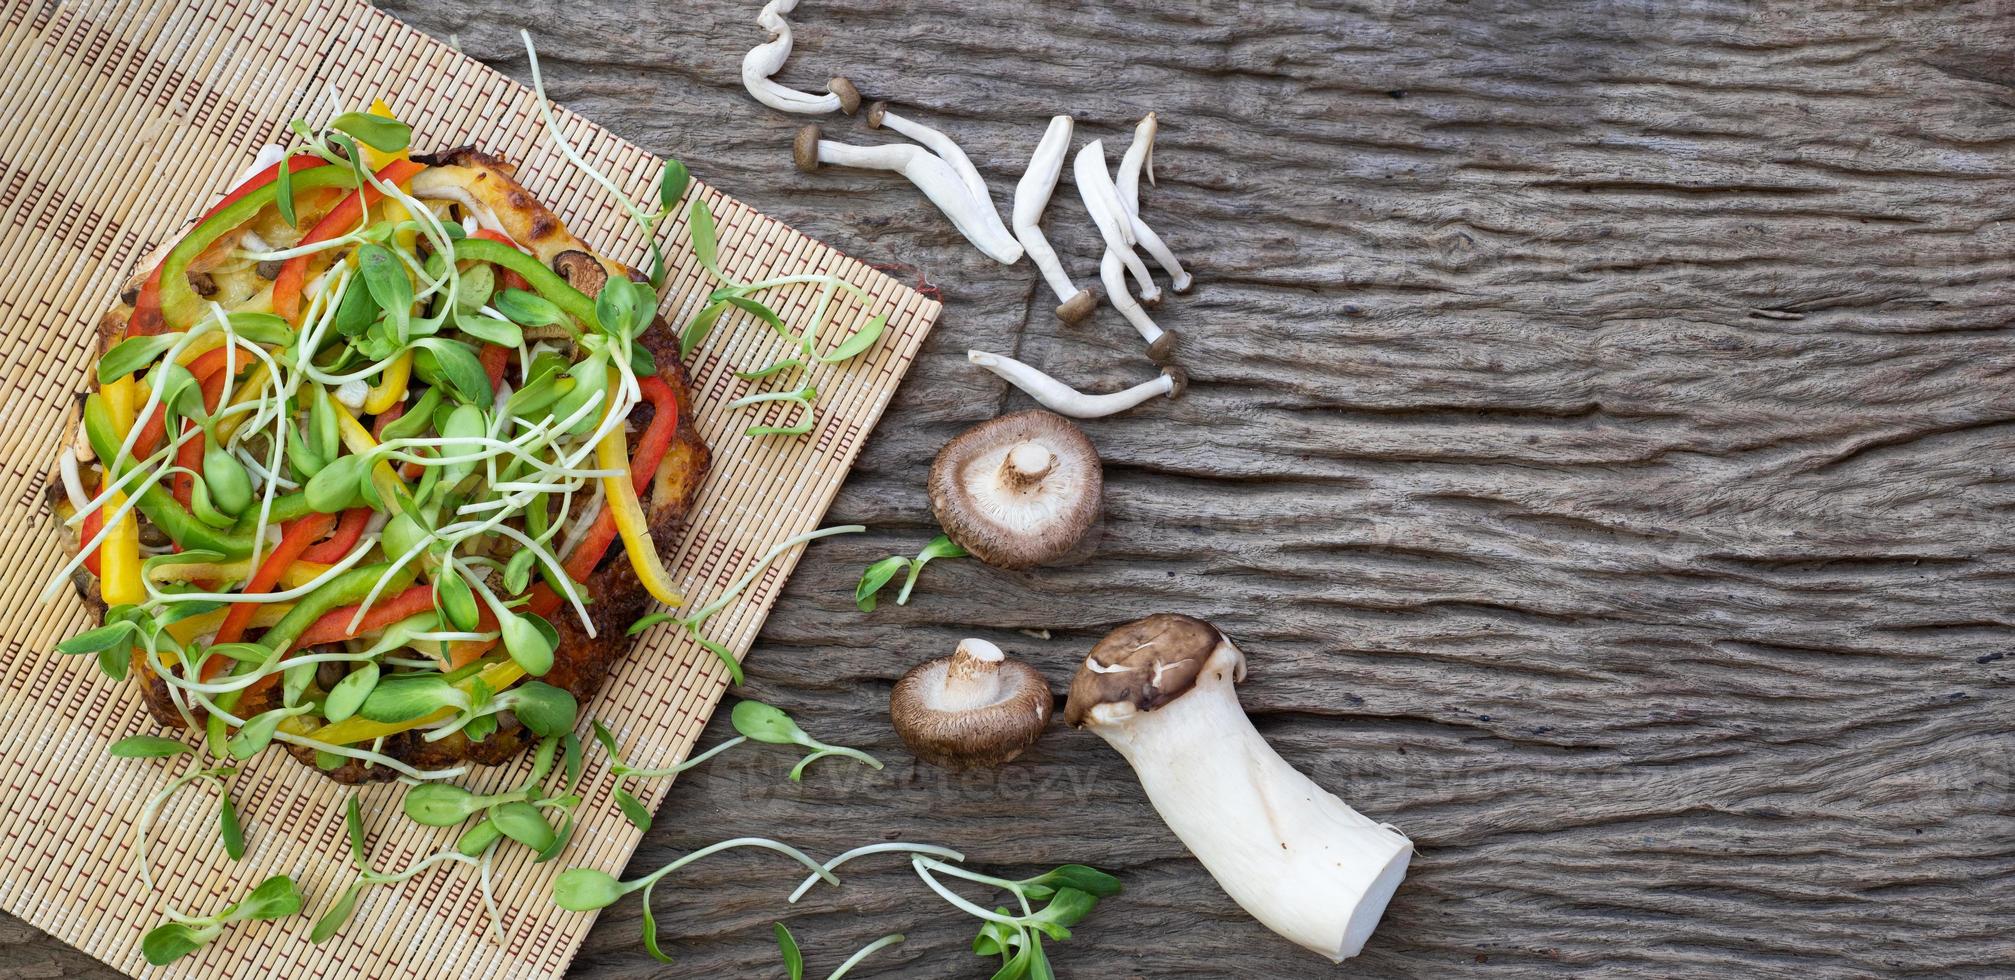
[[120, 123]]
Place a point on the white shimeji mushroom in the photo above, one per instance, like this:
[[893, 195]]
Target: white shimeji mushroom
[[948, 151], [1062, 398], [1293, 855], [977, 221], [767, 58], [1031, 196], [1139, 156], [1101, 198]]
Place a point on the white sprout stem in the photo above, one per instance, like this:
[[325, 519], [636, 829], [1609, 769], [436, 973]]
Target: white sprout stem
[[1095, 188], [298, 591], [762, 842], [566, 149], [767, 58], [894, 847], [863, 953], [1064, 399], [150, 812], [689, 763], [922, 866], [1032, 195], [779, 548], [940, 183]]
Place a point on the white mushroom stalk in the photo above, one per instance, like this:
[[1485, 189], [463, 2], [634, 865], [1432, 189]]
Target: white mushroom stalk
[[767, 58], [1101, 198], [1031, 196], [948, 151], [1066, 400], [976, 220], [1290, 853], [1139, 156]]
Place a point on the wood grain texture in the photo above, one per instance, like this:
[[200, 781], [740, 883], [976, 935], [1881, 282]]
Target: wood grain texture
[[1598, 440]]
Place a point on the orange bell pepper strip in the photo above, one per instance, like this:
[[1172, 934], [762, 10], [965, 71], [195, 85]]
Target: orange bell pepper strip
[[345, 215]]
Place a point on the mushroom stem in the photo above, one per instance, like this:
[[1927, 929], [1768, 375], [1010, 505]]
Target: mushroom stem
[[1025, 465], [1160, 343], [1031, 196], [1101, 198], [1066, 400], [972, 678], [767, 58], [1289, 852], [1139, 155], [948, 151], [931, 174]]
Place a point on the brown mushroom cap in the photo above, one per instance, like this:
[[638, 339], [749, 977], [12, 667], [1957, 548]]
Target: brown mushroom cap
[[805, 149], [1146, 664], [1162, 350], [850, 97], [974, 708], [1076, 308], [875, 113], [582, 271], [1178, 379], [1019, 490]]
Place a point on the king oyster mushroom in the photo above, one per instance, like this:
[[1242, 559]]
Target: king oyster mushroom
[[972, 709], [1017, 491], [1287, 851]]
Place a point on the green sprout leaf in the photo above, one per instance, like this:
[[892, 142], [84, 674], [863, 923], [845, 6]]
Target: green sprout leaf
[[147, 747], [941, 546], [441, 804], [794, 959], [385, 276], [586, 889], [876, 576], [332, 921], [522, 822], [378, 132], [633, 808], [858, 344], [228, 827], [672, 183]]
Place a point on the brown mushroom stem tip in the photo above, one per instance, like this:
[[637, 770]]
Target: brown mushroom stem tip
[[805, 149], [850, 97], [1026, 465], [1178, 380], [1075, 309]]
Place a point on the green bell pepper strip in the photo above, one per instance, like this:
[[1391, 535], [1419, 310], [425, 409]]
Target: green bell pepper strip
[[180, 306], [543, 281], [161, 509], [286, 507], [346, 589]]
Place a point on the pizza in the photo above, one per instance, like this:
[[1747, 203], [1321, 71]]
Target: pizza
[[376, 463]]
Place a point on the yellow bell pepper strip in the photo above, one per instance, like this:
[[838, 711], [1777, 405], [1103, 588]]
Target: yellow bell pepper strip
[[180, 306], [161, 509], [619, 495], [356, 729], [119, 557], [294, 576], [185, 631], [391, 387], [375, 158], [391, 489]]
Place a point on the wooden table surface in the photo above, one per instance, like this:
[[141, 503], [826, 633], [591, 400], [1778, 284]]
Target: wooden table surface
[[1598, 439]]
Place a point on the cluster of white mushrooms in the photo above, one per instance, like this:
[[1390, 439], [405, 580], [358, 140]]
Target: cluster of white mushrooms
[[1025, 489], [938, 167]]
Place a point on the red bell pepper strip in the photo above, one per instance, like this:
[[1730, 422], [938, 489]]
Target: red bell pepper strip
[[651, 447], [340, 219], [334, 625], [295, 537], [495, 359], [93, 523], [339, 542], [208, 370], [146, 317]]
